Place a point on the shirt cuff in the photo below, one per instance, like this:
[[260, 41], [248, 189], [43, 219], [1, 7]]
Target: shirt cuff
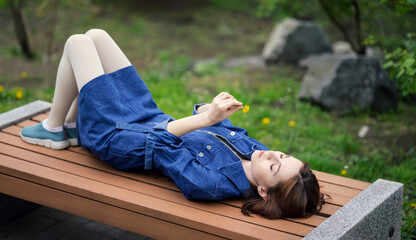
[[163, 125], [196, 106]]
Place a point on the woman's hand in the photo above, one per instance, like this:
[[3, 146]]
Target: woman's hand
[[223, 106]]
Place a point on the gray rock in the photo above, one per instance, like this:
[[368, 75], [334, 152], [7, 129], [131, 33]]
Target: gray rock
[[212, 65], [343, 82], [373, 52], [342, 47], [245, 61], [293, 40]]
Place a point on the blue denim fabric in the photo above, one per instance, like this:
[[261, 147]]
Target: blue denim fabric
[[201, 165], [119, 121], [121, 96]]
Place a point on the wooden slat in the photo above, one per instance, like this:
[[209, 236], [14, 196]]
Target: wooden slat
[[140, 187], [340, 194], [342, 181], [41, 117], [80, 165], [161, 181], [15, 130], [94, 162], [133, 201], [100, 212]]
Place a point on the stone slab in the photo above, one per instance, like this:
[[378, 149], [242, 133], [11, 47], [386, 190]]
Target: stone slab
[[24, 112], [375, 213]]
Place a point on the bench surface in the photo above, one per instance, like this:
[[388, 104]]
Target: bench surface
[[147, 203]]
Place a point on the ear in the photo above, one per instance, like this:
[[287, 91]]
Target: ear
[[262, 191]]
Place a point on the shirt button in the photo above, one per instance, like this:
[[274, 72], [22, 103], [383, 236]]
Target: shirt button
[[201, 154], [208, 147], [232, 133]]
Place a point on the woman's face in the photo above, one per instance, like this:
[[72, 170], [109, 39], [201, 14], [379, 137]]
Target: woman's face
[[271, 167]]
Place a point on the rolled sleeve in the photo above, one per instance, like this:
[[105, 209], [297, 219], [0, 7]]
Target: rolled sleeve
[[196, 106], [159, 136]]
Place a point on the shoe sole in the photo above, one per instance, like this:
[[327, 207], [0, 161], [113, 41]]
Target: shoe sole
[[46, 142], [73, 142]]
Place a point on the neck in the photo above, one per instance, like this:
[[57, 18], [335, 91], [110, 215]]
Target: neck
[[247, 170]]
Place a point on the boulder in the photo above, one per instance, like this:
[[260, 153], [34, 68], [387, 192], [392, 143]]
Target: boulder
[[293, 40], [343, 82], [245, 61], [342, 47]]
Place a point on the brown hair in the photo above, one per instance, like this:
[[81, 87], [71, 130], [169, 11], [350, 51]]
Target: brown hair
[[297, 197]]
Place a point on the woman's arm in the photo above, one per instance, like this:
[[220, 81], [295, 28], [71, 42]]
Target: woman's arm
[[203, 108], [222, 107]]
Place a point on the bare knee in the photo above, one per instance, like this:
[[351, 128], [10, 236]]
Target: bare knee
[[96, 33], [78, 39]]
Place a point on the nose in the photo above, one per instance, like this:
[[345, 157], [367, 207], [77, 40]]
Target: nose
[[270, 155]]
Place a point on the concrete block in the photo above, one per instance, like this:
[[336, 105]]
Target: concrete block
[[22, 113], [375, 213]]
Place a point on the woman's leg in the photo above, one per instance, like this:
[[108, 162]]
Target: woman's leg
[[80, 64], [112, 59], [111, 56]]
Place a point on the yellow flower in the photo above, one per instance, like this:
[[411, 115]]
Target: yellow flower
[[413, 205], [265, 120], [292, 123], [23, 75], [246, 109], [344, 172], [19, 94], [1, 88]]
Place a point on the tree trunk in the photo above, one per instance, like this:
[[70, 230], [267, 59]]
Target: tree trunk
[[356, 45], [19, 28], [50, 30]]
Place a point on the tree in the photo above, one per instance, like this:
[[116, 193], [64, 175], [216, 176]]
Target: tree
[[20, 27]]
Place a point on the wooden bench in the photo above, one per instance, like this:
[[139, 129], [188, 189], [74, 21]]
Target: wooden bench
[[149, 203]]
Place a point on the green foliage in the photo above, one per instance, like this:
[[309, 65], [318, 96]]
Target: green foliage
[[402, 6], [281, 8], [402, 65], [3, 3]]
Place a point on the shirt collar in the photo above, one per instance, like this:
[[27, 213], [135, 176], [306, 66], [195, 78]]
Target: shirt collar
[[235, 172]]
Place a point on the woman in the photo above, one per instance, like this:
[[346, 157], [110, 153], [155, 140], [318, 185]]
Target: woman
[[117, 119]]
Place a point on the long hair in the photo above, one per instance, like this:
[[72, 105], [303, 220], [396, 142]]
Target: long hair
[[299, 196]]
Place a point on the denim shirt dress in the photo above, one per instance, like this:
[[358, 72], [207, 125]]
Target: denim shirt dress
[[119, 122]]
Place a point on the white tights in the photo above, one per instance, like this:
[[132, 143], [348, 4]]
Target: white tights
[[85, 57]]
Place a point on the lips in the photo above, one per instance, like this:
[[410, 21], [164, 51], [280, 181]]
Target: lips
[[261, 153]]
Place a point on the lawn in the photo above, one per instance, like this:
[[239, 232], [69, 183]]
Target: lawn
[[162, 44]]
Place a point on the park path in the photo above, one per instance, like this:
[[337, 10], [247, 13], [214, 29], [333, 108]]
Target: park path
[[50, 224]]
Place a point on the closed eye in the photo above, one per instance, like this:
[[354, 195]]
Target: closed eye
[[277, 169]]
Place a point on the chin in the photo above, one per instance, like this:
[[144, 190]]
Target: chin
[[255, 156]]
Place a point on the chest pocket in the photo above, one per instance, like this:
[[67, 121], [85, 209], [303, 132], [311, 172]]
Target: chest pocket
[[206, 153]]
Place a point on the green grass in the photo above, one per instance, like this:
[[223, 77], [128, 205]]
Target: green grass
[[162, 50]]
